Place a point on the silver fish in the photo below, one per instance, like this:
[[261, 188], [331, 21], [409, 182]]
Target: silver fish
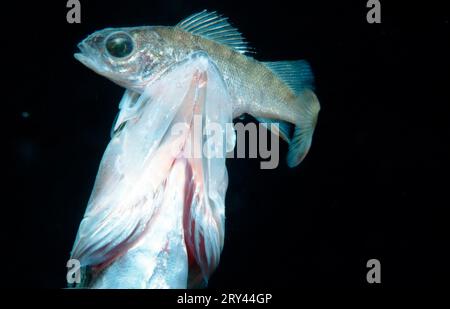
[[155, 218]]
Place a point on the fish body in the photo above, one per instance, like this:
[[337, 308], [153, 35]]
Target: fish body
[[257, 89], [270, 91], [156, 215], [254, 87]]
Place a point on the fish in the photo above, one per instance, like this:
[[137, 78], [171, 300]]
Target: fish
[[155, 218]]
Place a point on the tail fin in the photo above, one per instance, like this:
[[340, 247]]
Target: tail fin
[[304, 129], [298, 76]]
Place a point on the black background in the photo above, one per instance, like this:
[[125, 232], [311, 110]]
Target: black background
[[374, 185]]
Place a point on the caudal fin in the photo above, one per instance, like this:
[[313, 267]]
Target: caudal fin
[[301, 139], [298, 76]]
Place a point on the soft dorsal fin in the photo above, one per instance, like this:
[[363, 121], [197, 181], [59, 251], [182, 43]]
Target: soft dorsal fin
[[214, 27], [296, 74]]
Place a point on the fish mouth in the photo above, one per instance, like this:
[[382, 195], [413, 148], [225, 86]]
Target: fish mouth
[[82, 55], [88, 56], [83, 59]]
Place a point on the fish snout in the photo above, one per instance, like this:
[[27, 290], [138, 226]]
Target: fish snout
[[90, 56]]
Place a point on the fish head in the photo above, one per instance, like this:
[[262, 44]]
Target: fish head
[[129, 57]]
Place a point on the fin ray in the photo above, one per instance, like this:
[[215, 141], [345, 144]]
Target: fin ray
[[301, 140], [296, 74], [215, 27]]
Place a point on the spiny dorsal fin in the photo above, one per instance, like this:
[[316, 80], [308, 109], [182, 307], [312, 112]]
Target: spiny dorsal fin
[[215, 27], [296, 74]]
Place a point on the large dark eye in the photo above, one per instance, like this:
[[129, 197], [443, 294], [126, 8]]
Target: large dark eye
[[119, 44]]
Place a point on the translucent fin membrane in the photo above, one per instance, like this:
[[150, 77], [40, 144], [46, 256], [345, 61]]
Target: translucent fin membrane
[[215, 27], [155, 203]]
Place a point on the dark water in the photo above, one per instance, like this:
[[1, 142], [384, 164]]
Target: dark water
[[375, 184]]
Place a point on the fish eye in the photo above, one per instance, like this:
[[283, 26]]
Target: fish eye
[[119, 44]]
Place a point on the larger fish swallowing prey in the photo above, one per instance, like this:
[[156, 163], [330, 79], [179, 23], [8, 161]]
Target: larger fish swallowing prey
[[155, 218]]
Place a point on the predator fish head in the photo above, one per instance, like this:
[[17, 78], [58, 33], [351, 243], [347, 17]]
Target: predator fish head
[[129, 57]]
